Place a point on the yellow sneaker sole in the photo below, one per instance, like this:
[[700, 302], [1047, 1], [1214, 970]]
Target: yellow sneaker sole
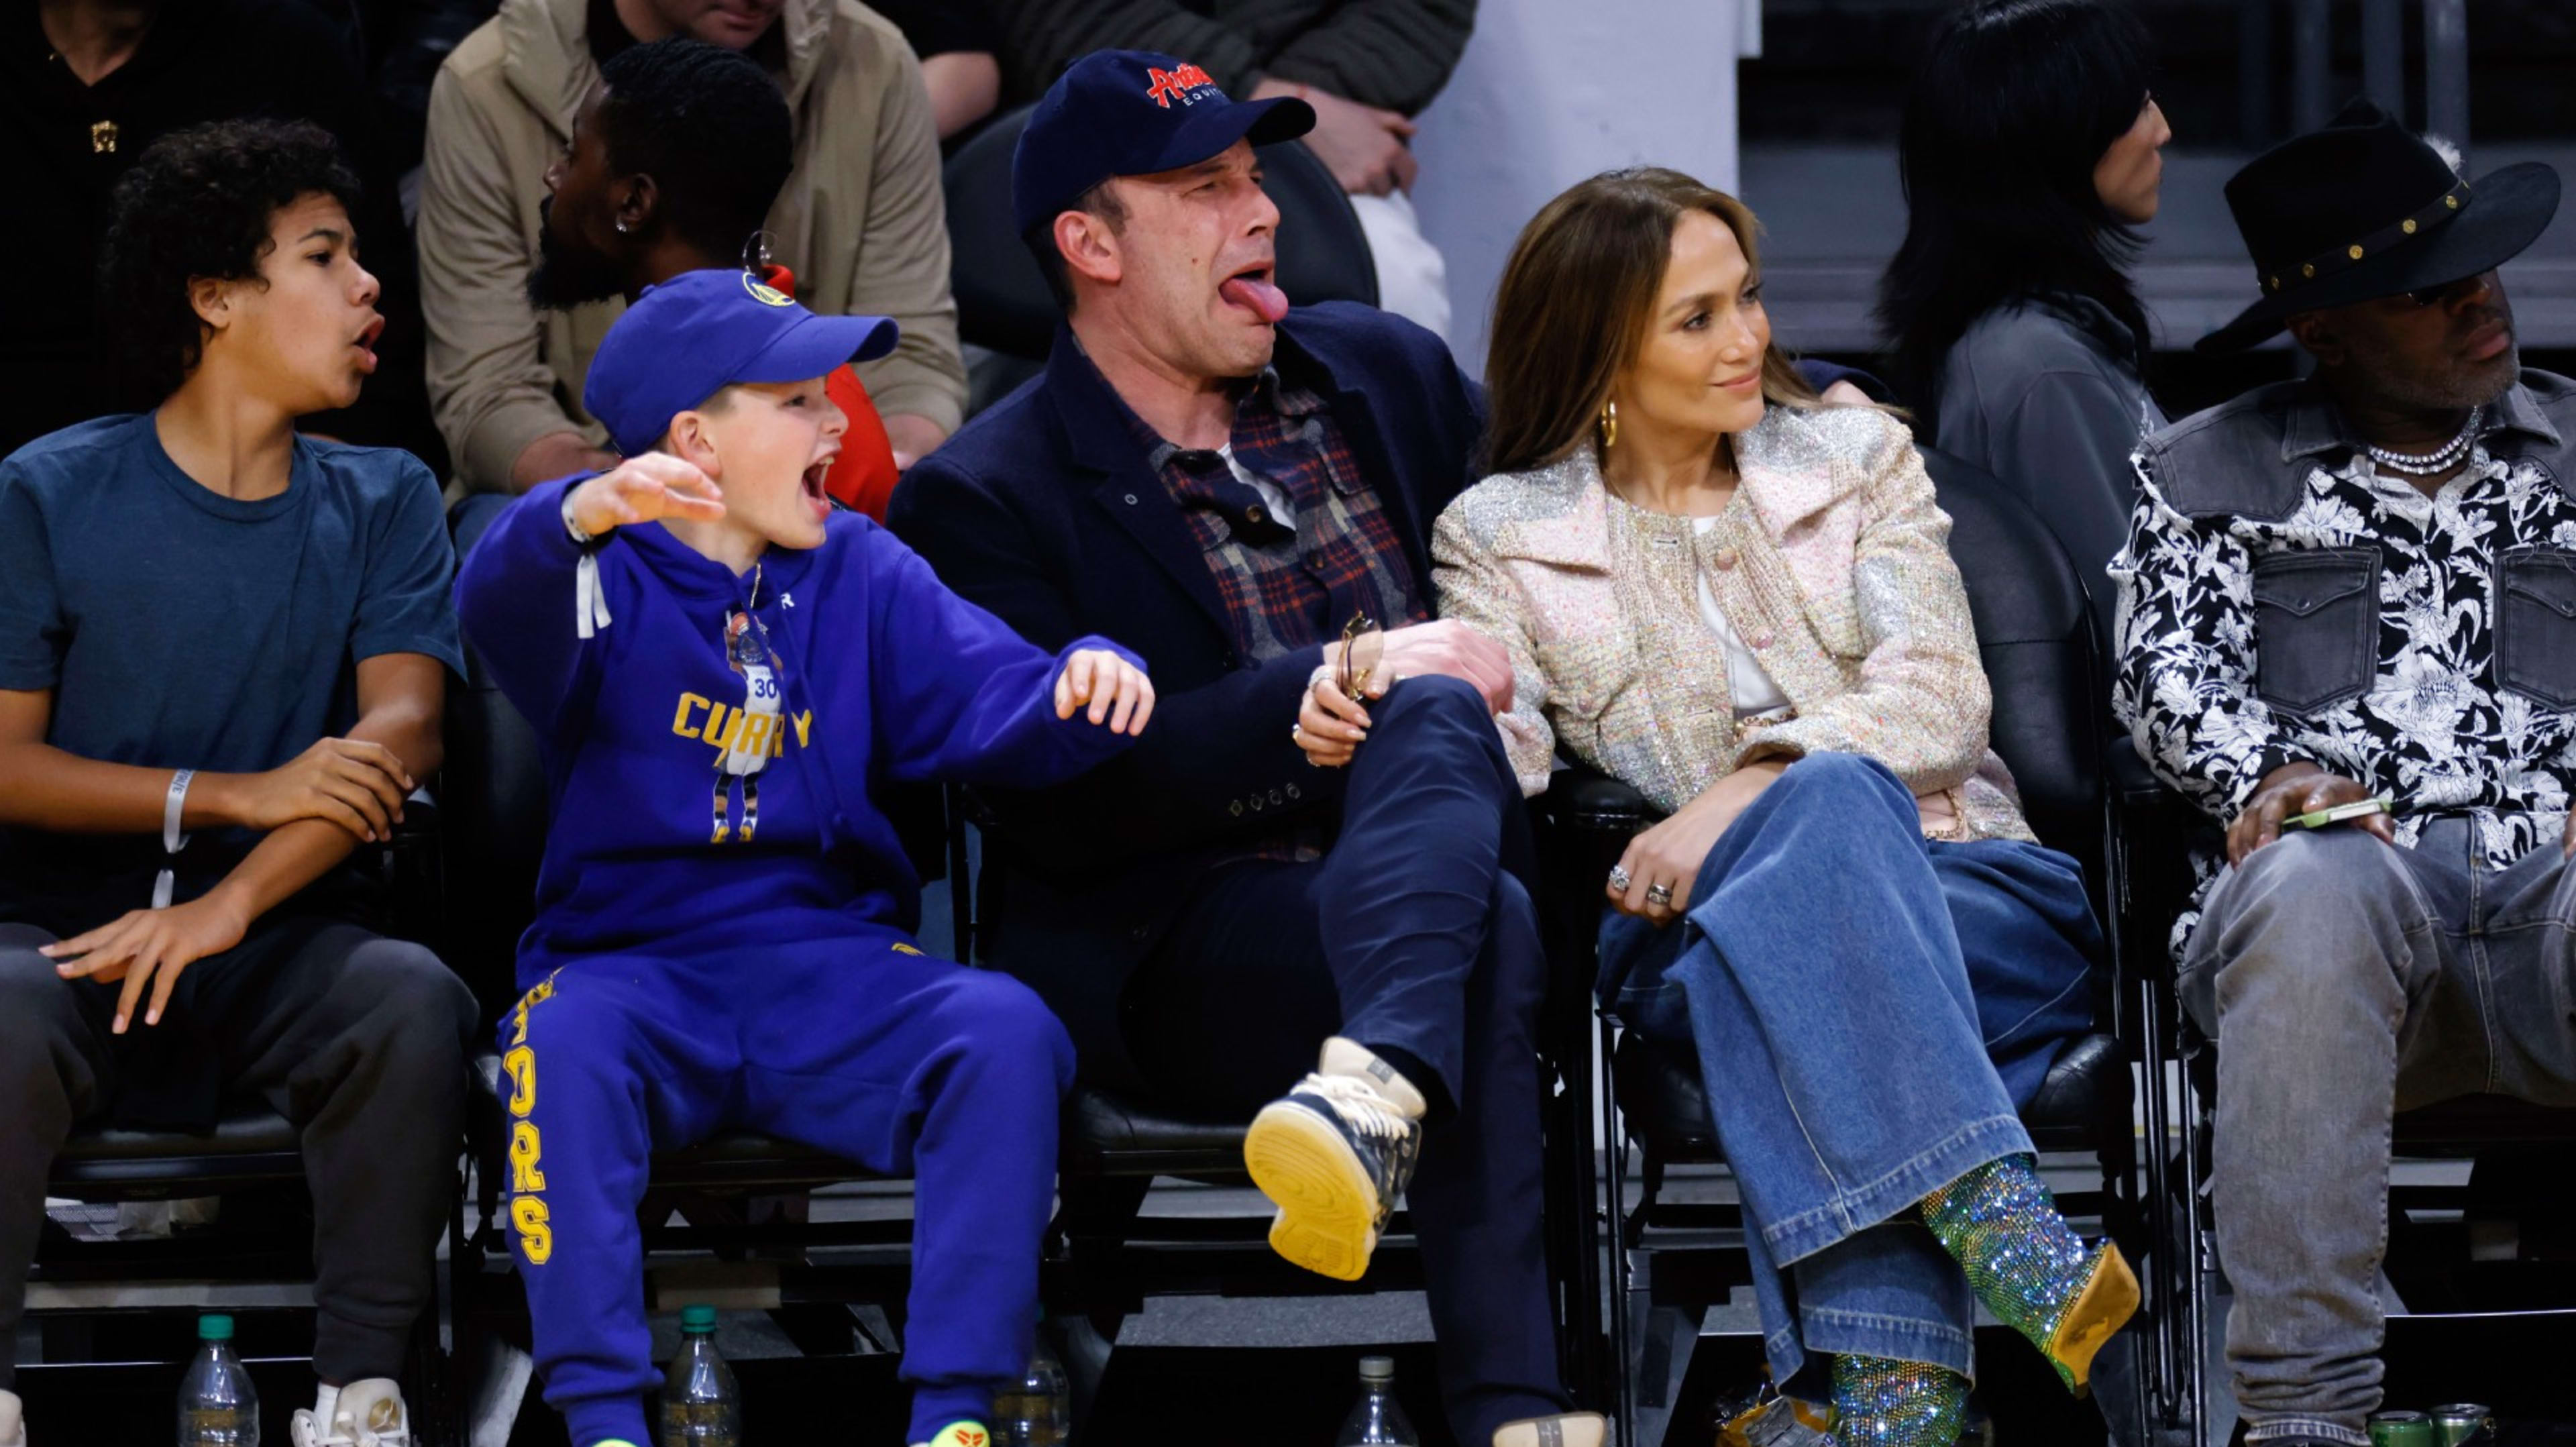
[[2109, 1299], [1327, 1206]]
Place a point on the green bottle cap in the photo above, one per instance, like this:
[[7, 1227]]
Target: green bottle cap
[[214, 1326], [699, 1319]]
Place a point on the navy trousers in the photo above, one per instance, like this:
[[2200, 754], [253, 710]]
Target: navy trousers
[[1415, 936]]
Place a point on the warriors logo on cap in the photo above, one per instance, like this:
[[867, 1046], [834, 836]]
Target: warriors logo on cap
[[764, 293]]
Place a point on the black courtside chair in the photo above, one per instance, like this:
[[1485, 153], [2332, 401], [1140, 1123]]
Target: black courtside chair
[[93, 1303], [2035, 636]]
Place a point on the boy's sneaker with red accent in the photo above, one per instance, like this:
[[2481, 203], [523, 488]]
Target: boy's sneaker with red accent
[[960, 1434]]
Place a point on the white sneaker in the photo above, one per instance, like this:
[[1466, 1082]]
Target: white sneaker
[[367, 1413], [13, 1421]]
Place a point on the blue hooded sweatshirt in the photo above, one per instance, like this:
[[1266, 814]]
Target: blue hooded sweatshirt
[[716, 745]]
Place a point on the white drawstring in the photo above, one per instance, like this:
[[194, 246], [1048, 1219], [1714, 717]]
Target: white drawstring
[[589, 601]]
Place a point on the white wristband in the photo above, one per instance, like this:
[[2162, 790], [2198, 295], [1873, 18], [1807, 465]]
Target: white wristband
[[572, 525], [174, 806]]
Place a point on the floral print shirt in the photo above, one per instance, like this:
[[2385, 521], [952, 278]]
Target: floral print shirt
[[2320, 610]]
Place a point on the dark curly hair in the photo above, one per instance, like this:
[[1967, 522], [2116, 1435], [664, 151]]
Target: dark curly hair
[[198, 204], [712, 130]]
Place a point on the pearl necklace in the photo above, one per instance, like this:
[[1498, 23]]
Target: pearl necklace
[[2441, 459]]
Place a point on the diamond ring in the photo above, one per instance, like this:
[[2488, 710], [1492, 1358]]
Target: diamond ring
[[1619, 878]]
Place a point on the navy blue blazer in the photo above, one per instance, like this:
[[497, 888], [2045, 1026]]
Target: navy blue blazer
[[1043, 509]]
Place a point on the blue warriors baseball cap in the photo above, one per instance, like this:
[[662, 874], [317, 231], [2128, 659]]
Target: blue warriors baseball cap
[[1133, 113], [703, 331]]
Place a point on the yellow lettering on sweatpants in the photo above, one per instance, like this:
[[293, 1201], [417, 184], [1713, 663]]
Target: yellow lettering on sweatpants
[[804, 721], [544, 991], [680, 721], [536, 1236], [521, 1065], [524, 1151], [755, 735], [719, 731]]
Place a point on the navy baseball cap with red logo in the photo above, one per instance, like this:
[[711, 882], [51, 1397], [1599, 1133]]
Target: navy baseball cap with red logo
[[1133, 113]]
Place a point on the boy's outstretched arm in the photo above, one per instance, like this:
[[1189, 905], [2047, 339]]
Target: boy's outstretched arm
[[960, 697]]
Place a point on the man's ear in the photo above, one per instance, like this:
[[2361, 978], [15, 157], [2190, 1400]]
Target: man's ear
[[2319, 334], [1089, 247], [693, 442], [211, 298], [637, 201]]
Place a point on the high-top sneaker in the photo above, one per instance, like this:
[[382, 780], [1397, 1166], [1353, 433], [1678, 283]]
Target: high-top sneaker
[[2030, 1268], [365, 1413], [1569, 1429], [1333, 1154], [13, 1421], [960, 1434], [1879, 1402]]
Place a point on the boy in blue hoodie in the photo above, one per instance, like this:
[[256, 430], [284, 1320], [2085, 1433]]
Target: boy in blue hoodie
[[725, 672]]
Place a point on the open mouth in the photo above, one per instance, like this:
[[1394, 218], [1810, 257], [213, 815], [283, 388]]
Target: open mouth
[[366, 342], [1256, 290], [816, 494]]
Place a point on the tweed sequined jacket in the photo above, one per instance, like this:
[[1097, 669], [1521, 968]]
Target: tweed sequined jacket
[[1831, 563]]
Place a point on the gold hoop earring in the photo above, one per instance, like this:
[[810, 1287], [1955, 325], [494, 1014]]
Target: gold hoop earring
[[1609, 425]]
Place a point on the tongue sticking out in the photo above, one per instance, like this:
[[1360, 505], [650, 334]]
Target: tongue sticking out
[[1259, 295]]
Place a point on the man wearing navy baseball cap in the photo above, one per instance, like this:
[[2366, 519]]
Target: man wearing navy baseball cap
[[1236, 488], [724, 672]]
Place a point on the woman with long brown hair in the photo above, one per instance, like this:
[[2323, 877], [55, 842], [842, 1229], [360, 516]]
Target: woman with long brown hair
[[1739, 600]]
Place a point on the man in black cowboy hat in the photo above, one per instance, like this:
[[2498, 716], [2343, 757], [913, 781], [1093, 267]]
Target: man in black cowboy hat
[[2348, 632]]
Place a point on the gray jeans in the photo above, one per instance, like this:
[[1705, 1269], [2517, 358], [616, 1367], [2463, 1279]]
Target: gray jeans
[[2346, 980]]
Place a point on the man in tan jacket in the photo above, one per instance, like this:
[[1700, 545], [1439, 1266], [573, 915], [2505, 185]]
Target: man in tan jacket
[[861, 223]]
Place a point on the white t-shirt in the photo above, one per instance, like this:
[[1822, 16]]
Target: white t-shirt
[[1746, 679]]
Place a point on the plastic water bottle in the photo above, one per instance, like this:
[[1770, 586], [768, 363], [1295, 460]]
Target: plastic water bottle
[[1039, 1411], [701, 1406], [1377, 1420], [217, 1405]]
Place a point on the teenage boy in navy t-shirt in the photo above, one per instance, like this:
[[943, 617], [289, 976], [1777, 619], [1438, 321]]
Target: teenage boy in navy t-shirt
[[223, 654], [726, 672]]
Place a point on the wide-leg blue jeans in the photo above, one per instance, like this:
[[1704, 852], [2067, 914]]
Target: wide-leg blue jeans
[[1870, 1009]]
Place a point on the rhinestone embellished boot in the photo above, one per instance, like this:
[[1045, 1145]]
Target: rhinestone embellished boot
[[1880, 1402], [2029, 1268]]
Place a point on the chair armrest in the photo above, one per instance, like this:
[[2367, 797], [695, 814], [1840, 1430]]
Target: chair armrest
[[1584, 801], [2158, 829]]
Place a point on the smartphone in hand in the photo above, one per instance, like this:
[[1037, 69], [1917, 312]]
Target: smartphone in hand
[[2340, 813]]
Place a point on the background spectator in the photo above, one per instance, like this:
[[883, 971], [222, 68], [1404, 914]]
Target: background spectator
[[956, 43], [2031, 153], [85, 87], [1366, 66], [861, 222]]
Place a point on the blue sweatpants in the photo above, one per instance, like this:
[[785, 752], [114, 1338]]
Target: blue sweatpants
[[863, 1047]]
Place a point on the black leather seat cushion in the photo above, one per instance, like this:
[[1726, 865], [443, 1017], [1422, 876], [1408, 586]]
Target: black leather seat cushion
[[2085, 1093], [249, 1142], [2474, 1122], [1106, 1135]]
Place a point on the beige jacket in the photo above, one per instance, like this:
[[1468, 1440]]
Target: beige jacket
[[1831, 563], [862, 222]]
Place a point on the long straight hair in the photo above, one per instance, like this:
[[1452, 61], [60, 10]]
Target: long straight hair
[[2014, 106], [1573, 305]]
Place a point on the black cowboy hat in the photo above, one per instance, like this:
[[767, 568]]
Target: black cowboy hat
[[2366, 208]]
